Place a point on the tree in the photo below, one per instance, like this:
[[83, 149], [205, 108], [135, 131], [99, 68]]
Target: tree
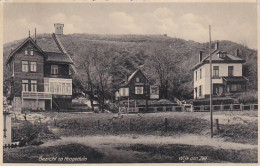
[[161, 66], [97, 68]]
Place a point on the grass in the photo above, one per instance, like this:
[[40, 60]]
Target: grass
[[32, 154], [154, 123], [193, 154], [178, 123]]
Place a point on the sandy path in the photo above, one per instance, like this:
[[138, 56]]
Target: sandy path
[[100, 141]]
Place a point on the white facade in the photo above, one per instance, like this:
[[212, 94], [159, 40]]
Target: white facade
[[203, 77]]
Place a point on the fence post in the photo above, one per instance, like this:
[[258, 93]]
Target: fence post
[[130, 125], [40, 121], [217, 123], [231, 107], [165, 125], [54, 122], [241, 106]]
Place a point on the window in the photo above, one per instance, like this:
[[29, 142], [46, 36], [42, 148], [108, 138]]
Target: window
[[196, 75], [31, 52], [25, 85], [154, 90], [33, 66], [230, 70], [137, 79], [200, 90], [124, 92], [34, 85], [233, 88], [200, 73], [68, 88], [139, 90], [215, 71], [26, 52], [54, 69], [24, 66], [196, 93]]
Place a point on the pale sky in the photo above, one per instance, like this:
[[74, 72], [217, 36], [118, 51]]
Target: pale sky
[[229, 21]]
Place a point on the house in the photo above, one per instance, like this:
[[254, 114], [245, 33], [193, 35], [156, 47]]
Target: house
[[137, 87], [41, 71], [227, 77]]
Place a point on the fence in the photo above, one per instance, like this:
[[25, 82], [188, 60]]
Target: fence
[[12, 145], [190, 108], [226, 107], [155, 109]]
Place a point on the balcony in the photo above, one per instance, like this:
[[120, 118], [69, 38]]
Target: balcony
[[36, 95]]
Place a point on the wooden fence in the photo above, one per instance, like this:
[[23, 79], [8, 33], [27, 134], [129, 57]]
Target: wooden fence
[[190, 108], [226, 107], [12, 145]]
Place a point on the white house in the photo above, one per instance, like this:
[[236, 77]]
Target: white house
[[227, 75]]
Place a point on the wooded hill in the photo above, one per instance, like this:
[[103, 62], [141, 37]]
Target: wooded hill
[[166, 60]]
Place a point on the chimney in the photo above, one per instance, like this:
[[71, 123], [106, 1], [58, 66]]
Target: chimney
[[126, 77], [58, 28], [238, 54], [35, 36], [216, 45], [200, 56]]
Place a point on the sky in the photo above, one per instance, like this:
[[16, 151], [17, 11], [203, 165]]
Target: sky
[[190, 21]]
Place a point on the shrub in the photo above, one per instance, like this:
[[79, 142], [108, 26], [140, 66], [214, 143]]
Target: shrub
[[248, 97]]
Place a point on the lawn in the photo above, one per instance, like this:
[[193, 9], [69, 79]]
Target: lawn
[[238, 127], [127, 138]]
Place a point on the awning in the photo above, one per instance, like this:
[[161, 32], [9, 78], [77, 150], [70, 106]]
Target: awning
[[235, 79]]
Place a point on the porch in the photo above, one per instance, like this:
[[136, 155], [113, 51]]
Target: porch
[[36, 100]]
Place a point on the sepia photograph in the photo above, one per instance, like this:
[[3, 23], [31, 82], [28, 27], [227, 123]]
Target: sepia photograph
[[147, 82]]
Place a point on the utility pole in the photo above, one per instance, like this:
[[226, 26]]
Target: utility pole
[[210, 78], [146, 95]]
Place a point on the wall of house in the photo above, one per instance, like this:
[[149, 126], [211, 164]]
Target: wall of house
[[34, 104], [17, 104], [62, 101], [200, 81], [141, 83], [63, 70], [19, 75], [223, 71]]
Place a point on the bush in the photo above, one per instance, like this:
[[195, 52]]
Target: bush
[[248, 97], [29, 133]]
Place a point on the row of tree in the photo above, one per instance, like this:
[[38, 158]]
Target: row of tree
[[103, 68]]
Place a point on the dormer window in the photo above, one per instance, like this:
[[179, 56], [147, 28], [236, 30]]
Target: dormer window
[[137, 79], [26, 52], [222, 54], [54, 69]]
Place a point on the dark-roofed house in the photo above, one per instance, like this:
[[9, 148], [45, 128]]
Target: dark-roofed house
[[40, 76], [137, 87], [227, 77]]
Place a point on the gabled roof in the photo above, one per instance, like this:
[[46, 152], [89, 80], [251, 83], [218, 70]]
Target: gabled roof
[[134, 73], [50, 46], [29, 39], [216, 59], [58, 57]]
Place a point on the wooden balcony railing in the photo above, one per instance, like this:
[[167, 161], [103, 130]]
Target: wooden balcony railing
[[36, 95]]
